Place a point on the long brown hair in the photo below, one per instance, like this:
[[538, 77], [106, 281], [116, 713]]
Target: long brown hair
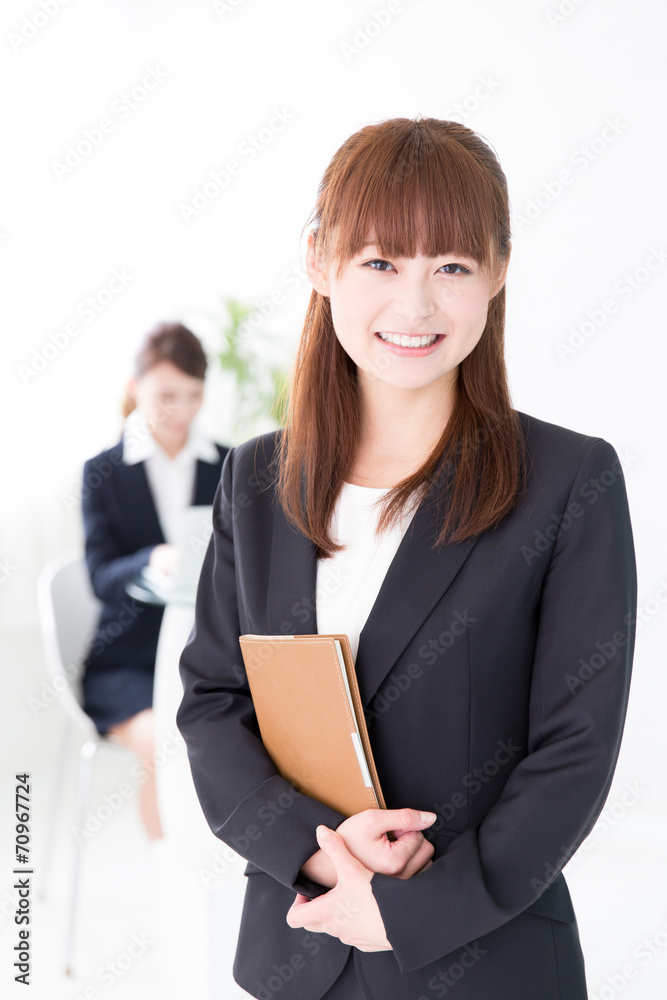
[[167, 342], [428, 186]]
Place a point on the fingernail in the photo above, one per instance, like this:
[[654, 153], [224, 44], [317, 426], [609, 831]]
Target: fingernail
[[427, 817], [322, 831]]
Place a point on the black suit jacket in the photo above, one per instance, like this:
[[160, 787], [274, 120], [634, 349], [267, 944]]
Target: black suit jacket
[[495, 677], [122, 529]]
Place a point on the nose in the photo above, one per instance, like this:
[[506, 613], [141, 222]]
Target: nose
[[416, 300]]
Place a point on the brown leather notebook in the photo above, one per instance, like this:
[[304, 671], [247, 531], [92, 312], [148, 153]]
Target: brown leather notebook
[[311, 719]]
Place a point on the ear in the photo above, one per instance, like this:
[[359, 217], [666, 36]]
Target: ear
[[500, 280], [317, 274]]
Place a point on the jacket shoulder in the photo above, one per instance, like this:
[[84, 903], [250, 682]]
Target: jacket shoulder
[[254, 456], [547, 444], [223, 450], [114, 455], [554, 443]]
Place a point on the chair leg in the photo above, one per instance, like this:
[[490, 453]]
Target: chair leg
[[86, 757], [56, 799]]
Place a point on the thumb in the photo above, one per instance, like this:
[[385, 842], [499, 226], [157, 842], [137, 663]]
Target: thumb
[[403, 819], [325, 835], [332, 844]]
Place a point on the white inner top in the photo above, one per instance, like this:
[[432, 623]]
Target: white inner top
[[348, 583], [171, 481]]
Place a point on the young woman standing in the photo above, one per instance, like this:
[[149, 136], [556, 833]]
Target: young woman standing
[[477, 557]]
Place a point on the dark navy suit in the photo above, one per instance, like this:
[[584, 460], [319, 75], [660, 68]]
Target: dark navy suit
[[122, 529], [495, 677]]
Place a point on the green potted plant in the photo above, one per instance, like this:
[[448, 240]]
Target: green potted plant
[[259, 383]]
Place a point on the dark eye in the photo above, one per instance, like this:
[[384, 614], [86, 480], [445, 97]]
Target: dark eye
[[377, 260], [461, 269], [455, 268]]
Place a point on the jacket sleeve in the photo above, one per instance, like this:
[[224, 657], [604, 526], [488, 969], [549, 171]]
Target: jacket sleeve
[[577, 707], [246, 802], [109, 564]]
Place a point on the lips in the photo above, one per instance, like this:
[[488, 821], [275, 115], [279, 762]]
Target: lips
[[408, 339], [409, 344]]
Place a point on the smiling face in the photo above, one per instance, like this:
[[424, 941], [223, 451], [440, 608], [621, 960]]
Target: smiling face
[[407, 322]]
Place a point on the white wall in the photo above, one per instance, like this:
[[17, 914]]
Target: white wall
[[580, 91], [539, 92]]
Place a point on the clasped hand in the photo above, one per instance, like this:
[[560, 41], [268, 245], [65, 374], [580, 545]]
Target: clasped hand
[[347, 860]]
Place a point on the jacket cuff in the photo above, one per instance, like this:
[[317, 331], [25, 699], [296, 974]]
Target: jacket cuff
[[274, 829], [402, 915], [438, 910]]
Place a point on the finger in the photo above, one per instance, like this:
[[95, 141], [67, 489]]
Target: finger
[[425, 849], [409, 844], [421, 859], [422, 869], [400, 820], [404, 858], [405, 847], [335, 848], [317, 911], [296, 915]]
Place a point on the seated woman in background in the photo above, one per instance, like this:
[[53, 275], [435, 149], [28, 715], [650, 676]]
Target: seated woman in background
[[162, 465]]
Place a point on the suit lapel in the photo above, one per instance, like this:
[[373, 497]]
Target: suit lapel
[[145, 514], [292, 579], [207, 476], [135, 484], [417, 578]]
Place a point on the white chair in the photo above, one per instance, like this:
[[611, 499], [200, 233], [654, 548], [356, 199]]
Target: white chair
[[68, 614]]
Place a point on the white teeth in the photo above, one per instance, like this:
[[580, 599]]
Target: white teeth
[[402, 340]]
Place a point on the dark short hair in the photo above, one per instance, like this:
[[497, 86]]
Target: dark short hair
[[171, 342], [167, 342]]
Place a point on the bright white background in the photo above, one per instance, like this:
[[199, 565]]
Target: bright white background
[[541, 86]]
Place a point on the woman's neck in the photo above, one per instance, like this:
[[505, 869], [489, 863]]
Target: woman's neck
[[399, 430], [171, 446]]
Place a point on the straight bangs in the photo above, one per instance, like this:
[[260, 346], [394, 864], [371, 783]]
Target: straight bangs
[[410, 190]]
